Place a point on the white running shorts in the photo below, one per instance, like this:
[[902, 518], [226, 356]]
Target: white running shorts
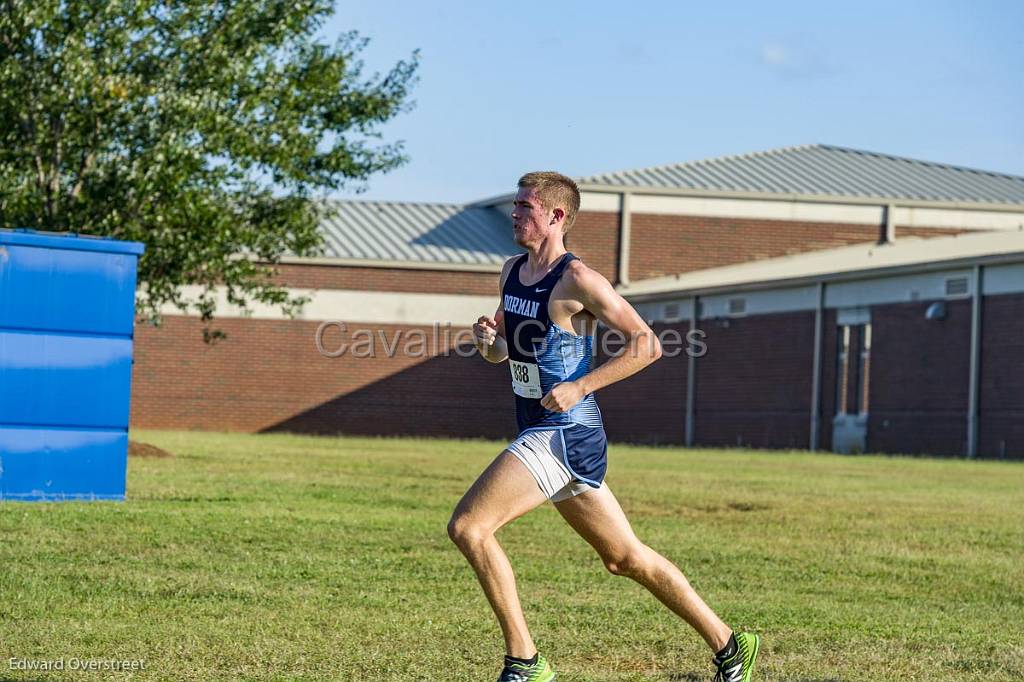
[[540, 451]]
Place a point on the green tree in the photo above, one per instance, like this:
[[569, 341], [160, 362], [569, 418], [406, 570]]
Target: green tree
[[207, 130]]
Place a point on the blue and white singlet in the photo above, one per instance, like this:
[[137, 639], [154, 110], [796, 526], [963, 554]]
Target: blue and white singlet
[[542, 354]]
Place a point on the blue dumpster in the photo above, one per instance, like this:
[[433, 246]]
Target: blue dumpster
[[67, 305]]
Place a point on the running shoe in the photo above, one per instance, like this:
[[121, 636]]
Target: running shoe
[[740, 666], [538, 672]]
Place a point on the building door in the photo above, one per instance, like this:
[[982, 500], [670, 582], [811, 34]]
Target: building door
[[853, 364]]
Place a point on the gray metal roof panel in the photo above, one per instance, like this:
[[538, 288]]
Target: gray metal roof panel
[[826, 170], [417, 232]]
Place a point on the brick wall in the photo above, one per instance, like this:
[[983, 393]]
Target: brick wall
[[667, 245], [595, 239], [268, 375], [1001, 386], [919, 379], [661, 245], [753, 386], [650, 406], [929, 232], [829, 352], [919, 376], [754, 383]]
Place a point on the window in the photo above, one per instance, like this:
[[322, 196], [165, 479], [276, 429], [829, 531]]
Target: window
[[864, 370], [853, 365], [842, 368], [737, 306]]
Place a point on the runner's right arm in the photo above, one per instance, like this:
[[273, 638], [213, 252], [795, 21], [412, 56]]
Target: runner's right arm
[[489, 336], [489, 332]]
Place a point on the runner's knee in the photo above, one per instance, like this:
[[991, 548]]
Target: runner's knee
[[627, 563], [464, 532]]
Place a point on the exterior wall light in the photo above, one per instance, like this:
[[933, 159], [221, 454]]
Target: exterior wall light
[[936, 311]]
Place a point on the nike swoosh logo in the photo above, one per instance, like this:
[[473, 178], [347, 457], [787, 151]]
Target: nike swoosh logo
[[539, 290]]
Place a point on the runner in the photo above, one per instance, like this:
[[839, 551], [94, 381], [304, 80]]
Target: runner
[[544, 327]]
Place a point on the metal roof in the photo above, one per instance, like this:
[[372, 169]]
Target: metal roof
[[416, 233], [825, 170], [903, 254], [479, 236]]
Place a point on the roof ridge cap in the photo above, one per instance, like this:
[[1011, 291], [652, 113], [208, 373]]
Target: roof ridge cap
[[923, 162], [337, 200], [708, 159], [807, 146]]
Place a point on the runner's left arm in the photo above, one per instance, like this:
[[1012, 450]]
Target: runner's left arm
[[642, 346]]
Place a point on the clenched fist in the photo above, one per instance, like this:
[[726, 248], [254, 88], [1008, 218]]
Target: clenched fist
[[485, 330], [562, 397]]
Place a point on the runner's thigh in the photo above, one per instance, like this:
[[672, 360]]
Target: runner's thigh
[[504, 491], [598, 518]]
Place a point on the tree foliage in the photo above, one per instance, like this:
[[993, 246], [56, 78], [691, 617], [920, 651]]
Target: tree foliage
[[206, 130]]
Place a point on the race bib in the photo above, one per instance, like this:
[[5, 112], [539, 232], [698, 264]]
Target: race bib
[[525, 379]]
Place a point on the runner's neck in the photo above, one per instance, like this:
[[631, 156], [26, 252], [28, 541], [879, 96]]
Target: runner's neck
[[540, 261]]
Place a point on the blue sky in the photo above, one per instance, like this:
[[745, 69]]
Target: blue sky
[[589, 87]]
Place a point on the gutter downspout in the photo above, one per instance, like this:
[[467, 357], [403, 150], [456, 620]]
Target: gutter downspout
[[819, 321], [889, 235], [624, 236], [972, 387], [691, 373]]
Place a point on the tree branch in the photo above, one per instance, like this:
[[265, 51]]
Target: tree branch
[[29, 127], [53, 184], [88, 161]]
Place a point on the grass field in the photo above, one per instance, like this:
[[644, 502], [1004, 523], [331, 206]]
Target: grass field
[[285, 557]]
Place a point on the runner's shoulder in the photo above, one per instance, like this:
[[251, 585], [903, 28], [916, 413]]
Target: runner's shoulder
[[580, 278], [509, 262], [506, 267]]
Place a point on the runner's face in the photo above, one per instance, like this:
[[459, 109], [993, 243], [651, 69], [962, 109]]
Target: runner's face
[[530, 221]]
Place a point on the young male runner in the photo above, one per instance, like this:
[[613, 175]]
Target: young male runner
[[550, 304]]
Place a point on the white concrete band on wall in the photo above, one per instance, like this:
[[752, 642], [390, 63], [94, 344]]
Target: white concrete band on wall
[[757, 209], [373, 307], [1003, 279], [423, 308], [948, 217], [668, 310], [764, 209], [999, 279], [602, 202], [900, 289], [760, 302]]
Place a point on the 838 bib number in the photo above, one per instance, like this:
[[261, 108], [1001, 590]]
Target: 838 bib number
[[525, 379]]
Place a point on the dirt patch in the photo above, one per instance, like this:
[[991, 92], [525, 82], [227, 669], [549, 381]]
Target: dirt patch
[[137, 449], [747, 506]]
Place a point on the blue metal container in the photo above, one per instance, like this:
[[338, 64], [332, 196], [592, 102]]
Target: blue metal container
[[67, 306]]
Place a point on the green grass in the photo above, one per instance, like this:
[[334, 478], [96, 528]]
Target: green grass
[[286, 557]]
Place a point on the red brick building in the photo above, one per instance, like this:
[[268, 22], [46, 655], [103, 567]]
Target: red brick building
[[898, 347], [810, 342]]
